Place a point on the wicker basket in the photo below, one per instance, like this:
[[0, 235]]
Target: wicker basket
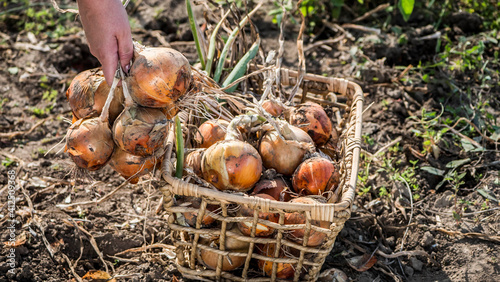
[[307, 262]]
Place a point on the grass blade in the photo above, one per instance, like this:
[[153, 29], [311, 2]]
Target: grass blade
[[213, 41], [230, 41], [179, 145], [194, 30], [241, 67]]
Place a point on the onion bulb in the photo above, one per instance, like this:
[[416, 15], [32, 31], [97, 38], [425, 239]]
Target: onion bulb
[[315, 176], [316, 238], [276, 188], [231, 165], [284, 155], [261, 230], [191, 217], [141, 131], [210, 132], [283, 270], [88, 92], [312, 118], [273, 108], [229, 262], [158, 77], [90, 143], [193, 161], [131, 167]]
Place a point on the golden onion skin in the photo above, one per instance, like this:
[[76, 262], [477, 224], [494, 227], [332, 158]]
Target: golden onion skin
[[276, 188], [131, 167], [283, 270], [261, 230], [284, 155], [87, 95], [316, 238], [315, 176], [90, 143], [158, 77], [231, 165], [312, 118], [210, 132], [141, 131]]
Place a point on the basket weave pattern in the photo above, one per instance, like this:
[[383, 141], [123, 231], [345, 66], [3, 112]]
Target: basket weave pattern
[[307, 261]]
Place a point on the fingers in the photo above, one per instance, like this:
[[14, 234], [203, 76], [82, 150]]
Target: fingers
[[109, 61], [125, 50]]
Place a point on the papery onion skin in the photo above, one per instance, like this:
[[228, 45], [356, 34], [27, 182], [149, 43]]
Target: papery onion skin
[[261, 230], [211, 132], [276, 188], [273, 108], [131, 167], [192, 217], [284, 155], [283, 270], [159, 77], [210, 258], [232, 165], [193, 161], [90, 143], [141, 131], [87, 95], [312, 118], [316, 238], [315, 176]]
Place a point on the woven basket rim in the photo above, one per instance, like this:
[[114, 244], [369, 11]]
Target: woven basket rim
[[319, 211]]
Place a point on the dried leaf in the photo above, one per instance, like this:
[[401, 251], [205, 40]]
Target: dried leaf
[[98, 275], [333, 275], [362, 263]]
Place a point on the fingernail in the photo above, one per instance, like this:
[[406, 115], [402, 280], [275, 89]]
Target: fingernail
[[127, 68]]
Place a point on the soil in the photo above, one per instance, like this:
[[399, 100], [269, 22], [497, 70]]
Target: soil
[[56, 241]]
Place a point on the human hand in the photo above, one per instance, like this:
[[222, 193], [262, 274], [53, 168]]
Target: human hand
[[108, 34]]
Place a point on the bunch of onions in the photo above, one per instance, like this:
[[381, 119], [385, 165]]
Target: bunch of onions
[[285, 155], [316, 238], [283, 270], [229, 262], [87, 95], [232, 164], [158, 77], [312, 118], [193, 161], [191, 217], [141, 131], [90, 143], [315, 176], [131, 167], [210, 132], [276, 188], [261, 230]]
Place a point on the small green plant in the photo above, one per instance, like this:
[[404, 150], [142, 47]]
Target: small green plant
[[364, 190], [382, 192], [430, 132], [3, 101], [368, 140], [7, 162]]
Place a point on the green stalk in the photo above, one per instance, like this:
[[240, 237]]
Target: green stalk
[[211, 47], [179, 145], [194, 30], [229, 43], [241, 67]]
